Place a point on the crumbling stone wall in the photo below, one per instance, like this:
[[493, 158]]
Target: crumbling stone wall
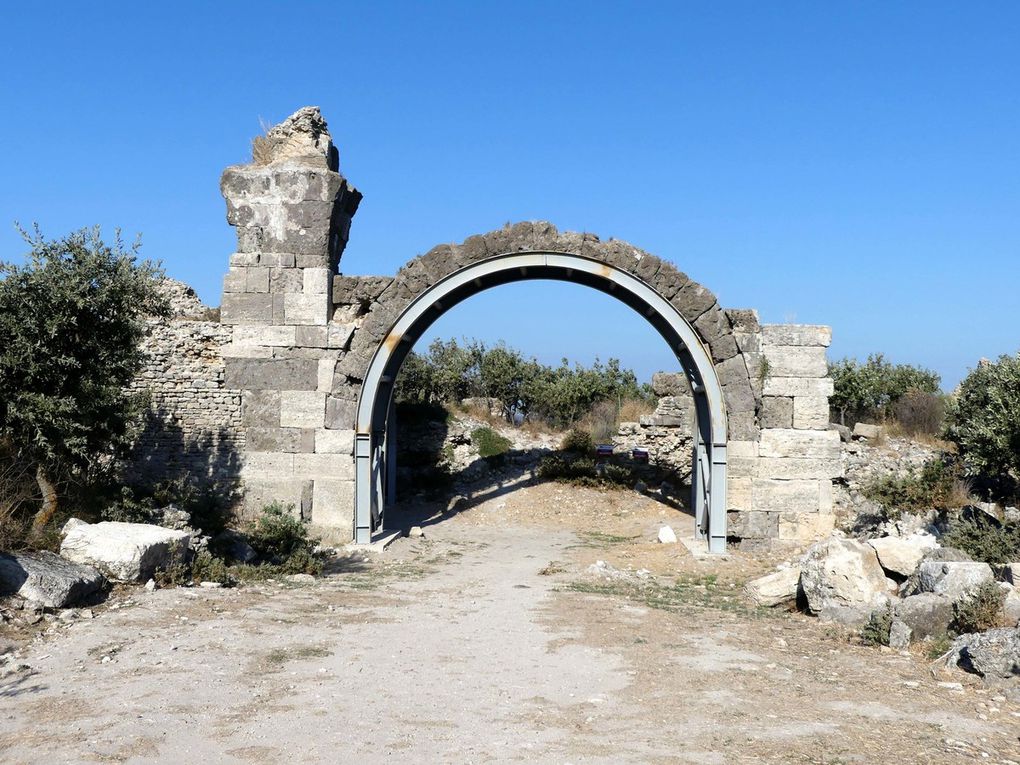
[[296, 337], [193, 427]]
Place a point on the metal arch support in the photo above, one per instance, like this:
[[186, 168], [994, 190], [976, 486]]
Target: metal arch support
[[373, 414]]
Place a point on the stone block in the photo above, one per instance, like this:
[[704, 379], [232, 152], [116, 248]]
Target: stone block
[[311, 337], [333, 505], [739, 397], [340, 413], [798, 467], [339, 335], [238, 351], [234, 279], [241, 259], [267, 466], [302, 408], [866, 430], [334, 441], [795, 361], [796, 334], [739, 495], [819, 444], [271, 374], [741, 449], [270, 439], [269, 335], [751, 524], [811, 412], [48, 579], [246, 308], [316, 281], [330, 466], [793, 495], [126, 552], [305, 309], [261, 408], [327, 371], [805, 527], [776, 588], [777, 412], [289, 492], [286, 280], [256, 280], [277, 260], [795, 386], [743, 426]]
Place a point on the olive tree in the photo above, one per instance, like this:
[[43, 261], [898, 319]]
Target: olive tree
[[984, 419], [72, 319]]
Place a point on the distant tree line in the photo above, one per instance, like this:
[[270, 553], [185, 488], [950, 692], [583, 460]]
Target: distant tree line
[[449, 372]]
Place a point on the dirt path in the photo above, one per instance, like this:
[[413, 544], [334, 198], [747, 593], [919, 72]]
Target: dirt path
[[468, 646]]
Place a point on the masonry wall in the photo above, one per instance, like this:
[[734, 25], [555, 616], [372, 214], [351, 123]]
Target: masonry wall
[[272, 388]]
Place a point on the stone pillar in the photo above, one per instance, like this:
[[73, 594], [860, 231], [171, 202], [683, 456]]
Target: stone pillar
[[797, 456], [292, 210]]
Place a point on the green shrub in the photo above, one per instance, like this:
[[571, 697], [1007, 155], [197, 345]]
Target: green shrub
[[876, 631], [584, 471], [489, 443], [872, 388], [208, 505], [577, 441], [934, 487], [984, 539], [984, 419], [982, 611], [277, 534]]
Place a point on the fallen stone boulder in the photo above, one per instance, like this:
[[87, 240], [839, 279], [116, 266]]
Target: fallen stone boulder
[[126, 552], [48, 579], [667, 536], [927, 615], [842, 574], [899, 634], [902, 555], [864, 430], [957, 580], [995, 654], [1011, 607], [776, 588]]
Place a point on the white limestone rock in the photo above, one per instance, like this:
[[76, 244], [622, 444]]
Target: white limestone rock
[[842, 573], [902, 555], [956, 580], [125, 552], [48, 579], [776, 588], [667, 536]]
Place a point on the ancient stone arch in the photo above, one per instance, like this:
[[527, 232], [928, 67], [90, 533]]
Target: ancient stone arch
[[298, 344], [452, 279]]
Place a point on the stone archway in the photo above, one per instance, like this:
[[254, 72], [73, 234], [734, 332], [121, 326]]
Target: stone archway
[[302, 344], [373, 449]]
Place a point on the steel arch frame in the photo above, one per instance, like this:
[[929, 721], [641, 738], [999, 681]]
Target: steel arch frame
[[374, 451]]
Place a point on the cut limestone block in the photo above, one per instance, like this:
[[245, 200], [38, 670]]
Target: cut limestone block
[[48, 579], [127, 552]]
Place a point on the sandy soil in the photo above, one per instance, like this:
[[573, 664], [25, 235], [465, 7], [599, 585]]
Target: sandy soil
[[486, 641]]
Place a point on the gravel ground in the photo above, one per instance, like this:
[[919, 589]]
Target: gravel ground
[[487, 641]]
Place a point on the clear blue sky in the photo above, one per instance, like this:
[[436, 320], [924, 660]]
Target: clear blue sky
[[851, 164]]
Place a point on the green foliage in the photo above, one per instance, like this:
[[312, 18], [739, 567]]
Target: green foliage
[[984, 539], [72, 320], [489, 443], [982, 611], [277, 535], [583, 471], [449, 372], [872, 389], [577, 441], [208, 505], [933, 488], [984, 419], [876, 631]]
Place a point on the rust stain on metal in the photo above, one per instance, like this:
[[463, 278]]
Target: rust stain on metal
[[391, 341], [605, 270]]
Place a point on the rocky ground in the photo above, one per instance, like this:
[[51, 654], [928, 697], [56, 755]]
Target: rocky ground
[[495, 637]]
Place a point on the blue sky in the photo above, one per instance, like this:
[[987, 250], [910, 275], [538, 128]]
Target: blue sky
[[850, 164]]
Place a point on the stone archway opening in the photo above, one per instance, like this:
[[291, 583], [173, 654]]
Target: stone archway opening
[[374, 445]]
